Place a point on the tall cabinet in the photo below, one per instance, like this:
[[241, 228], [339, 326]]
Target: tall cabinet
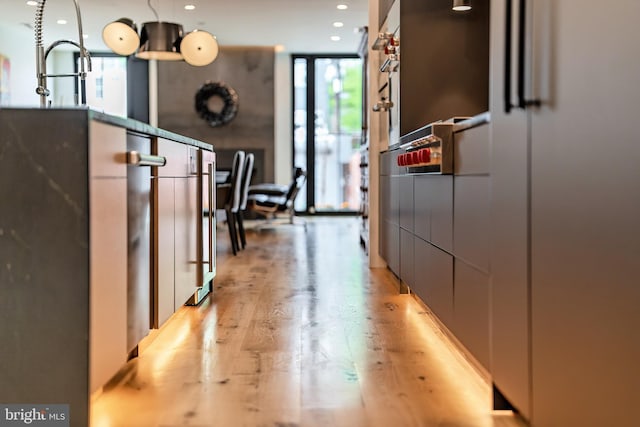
[[565, 208]]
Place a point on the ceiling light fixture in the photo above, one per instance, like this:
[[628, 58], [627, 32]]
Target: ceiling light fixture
[[163, 41], [338, 24], [32, 3], [342, 7], [189, 7], [461, 5], [335, 38]]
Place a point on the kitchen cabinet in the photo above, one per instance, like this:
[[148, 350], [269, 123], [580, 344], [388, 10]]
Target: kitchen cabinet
[[564, 257], [139, 257], [471, 220], [108, 252], [177, 191], [389, 226], [405, 202], [434, 279], [183, 238], [65, 235], [471, 314], [433, 214], [407, 258], [444, 234]]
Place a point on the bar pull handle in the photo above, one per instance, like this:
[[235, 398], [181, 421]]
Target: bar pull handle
[[522, 34], [507, 56], [212, 207], [138, 159]]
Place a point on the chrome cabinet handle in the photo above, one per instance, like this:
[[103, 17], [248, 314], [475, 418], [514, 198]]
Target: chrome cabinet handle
[[138, 159], [212, 207]]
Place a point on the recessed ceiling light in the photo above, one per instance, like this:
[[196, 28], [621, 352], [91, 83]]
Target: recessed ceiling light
[[335, 38], [32, 3], [189, 7], [342, 7], [62, 21], [85, 36], [338, 24]]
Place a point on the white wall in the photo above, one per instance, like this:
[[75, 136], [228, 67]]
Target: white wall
[[18, 44], [282, 129]]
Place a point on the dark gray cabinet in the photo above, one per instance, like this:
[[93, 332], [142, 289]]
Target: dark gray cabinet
[[433, 281], [471, 223], [471, 315], [565, 260], [443, 220], [405, 201], [407, 258]]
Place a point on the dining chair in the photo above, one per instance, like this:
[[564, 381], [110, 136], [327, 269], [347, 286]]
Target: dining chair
[[232, 197], [244, 192]]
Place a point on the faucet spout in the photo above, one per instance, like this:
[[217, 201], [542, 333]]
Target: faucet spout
[[41, 56]]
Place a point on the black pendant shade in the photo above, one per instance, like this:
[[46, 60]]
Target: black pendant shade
[[160, 40], [461, 5]]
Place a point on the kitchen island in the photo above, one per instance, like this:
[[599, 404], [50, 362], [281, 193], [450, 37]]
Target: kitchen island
[[105, 230]]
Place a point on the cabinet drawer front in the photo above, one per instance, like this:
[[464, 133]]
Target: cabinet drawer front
[[177, 156], [433, 279], [471, 151], [471, 315], [471, 224], [405, 200], [107, 150]]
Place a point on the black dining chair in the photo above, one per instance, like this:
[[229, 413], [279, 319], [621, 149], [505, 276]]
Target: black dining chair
[[244, 192], [232, 197], [268, 200]]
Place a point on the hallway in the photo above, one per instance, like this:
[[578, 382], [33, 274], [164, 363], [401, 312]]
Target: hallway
[[299, 332]]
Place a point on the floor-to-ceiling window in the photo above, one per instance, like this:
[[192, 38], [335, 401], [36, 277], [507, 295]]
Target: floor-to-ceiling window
[[327, 129], [117, 85]]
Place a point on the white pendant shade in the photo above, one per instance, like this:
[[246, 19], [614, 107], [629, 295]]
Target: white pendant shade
[[163, 41], [199, 48], [121, 36]]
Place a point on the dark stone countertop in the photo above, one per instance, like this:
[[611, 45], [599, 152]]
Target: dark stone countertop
[[130, 124]]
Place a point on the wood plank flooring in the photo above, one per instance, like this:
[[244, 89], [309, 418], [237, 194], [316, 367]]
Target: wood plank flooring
[[299, 332]]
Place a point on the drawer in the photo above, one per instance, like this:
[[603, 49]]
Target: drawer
[[471, 315], [471, 223], [107, 150], [180, 159], [471, 151], [433, 279]]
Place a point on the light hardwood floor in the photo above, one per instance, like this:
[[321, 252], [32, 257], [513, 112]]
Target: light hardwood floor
[[299, 332]]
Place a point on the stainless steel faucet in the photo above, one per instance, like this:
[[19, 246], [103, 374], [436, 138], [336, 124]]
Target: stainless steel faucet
[[41, 57]]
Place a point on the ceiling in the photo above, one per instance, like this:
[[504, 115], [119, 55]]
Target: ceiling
[[300, 26]]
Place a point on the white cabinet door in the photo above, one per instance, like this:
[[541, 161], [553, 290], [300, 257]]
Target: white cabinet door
[[108, 253], [165, 247], [186, 239]]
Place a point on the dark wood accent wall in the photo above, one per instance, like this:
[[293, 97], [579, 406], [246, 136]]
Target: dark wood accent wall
[[444, 65], [250, 72]]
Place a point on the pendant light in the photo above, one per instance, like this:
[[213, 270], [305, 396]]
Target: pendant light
[[163, 41], [461, 5]]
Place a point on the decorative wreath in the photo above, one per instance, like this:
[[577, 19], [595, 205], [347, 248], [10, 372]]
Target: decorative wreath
[[229, 97]]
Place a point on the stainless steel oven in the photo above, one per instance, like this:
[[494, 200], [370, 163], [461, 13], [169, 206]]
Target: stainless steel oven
[[388, 43]]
